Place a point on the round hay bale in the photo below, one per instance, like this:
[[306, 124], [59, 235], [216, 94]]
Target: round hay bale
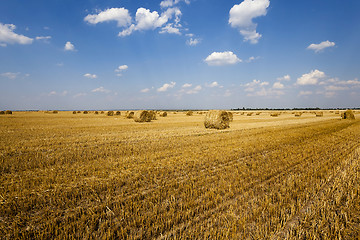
[[96, 112], [8, 112], [189, 113], [348, 114], [258, 113], [102, 112], [55, 111], [85, 112], [163, 114], [74, 112], [110, 113], [118, 113], [152, 115], [129, 114], [319, 114], [142, 116], [249, 114], [298, 114], [217, 119], [2, 112], [231, 116], [274, 114]]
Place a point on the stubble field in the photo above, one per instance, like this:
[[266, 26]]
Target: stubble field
[[87, 176]]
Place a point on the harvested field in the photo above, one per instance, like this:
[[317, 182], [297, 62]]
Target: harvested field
[[90, 176]]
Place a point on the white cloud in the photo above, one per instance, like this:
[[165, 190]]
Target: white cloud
[[10, 75], [278, 85], [194, 90], [120, 15], [54, 93], [169, 28], [284, 78], [305, 93], [8, 36], [170, 3], [69, 47], [186, 85], [147, 20], [311, 78], [241, 17], [122, 68], [88, 75], [101, 90], [145, 90], [166, 86], [321, 46], [43, 38], [222, 58], [193, 41], [251, 59], [213, 84], [250, 87], [335, 88]]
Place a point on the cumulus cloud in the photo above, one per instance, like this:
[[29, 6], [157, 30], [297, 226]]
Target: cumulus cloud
[[61, 94], [251, 86], [69, 47], [10, 75], [100, 90], [170, 3], [43, 38], [121, 68], [145, 90], [8, 36], [92, 76], [311, 78], [166, 86], [147, 20], [187, 85], [194, 90], [193, 41], [120, 15], [213, 84], [278, 85], [321, 46], [252, 59], [284, 78], [241, 17], [222, 58]]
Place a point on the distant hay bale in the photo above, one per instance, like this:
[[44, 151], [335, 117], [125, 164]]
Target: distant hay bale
[[242, 113], [319, 114], [96, 112], [85, 112], [8, 112], [189, 113], [163, 114], [348, 114], [2, 112], [249, 114], [274, 114], [142, 116], [110, 113], [298, 114], [152, 115], [74, 112], [129, 114], [231, 116], [217, 119], [118, 113], [102, 112], [337, 112], [78, 112], [258, 113], [55, 111]]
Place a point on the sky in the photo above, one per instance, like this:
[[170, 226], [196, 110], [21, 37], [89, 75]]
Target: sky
[[179, 54]]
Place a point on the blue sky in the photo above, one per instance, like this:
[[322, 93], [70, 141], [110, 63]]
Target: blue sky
[[179, 54]]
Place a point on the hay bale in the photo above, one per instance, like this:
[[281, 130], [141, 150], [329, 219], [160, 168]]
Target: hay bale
[[118, 113], [129, 114], [348, 114], [2, 112], [274, 114], [142, 116], [337, 112], [74, 112], [85, 112], [189, 113], [249, 114], [258, 113], [102, 112], [96, 112], [319, 114], [152, 115], [55, 111], [8, 112], [163, 114], [110, 113], [298, 114], [231, 116], [217, 119]]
